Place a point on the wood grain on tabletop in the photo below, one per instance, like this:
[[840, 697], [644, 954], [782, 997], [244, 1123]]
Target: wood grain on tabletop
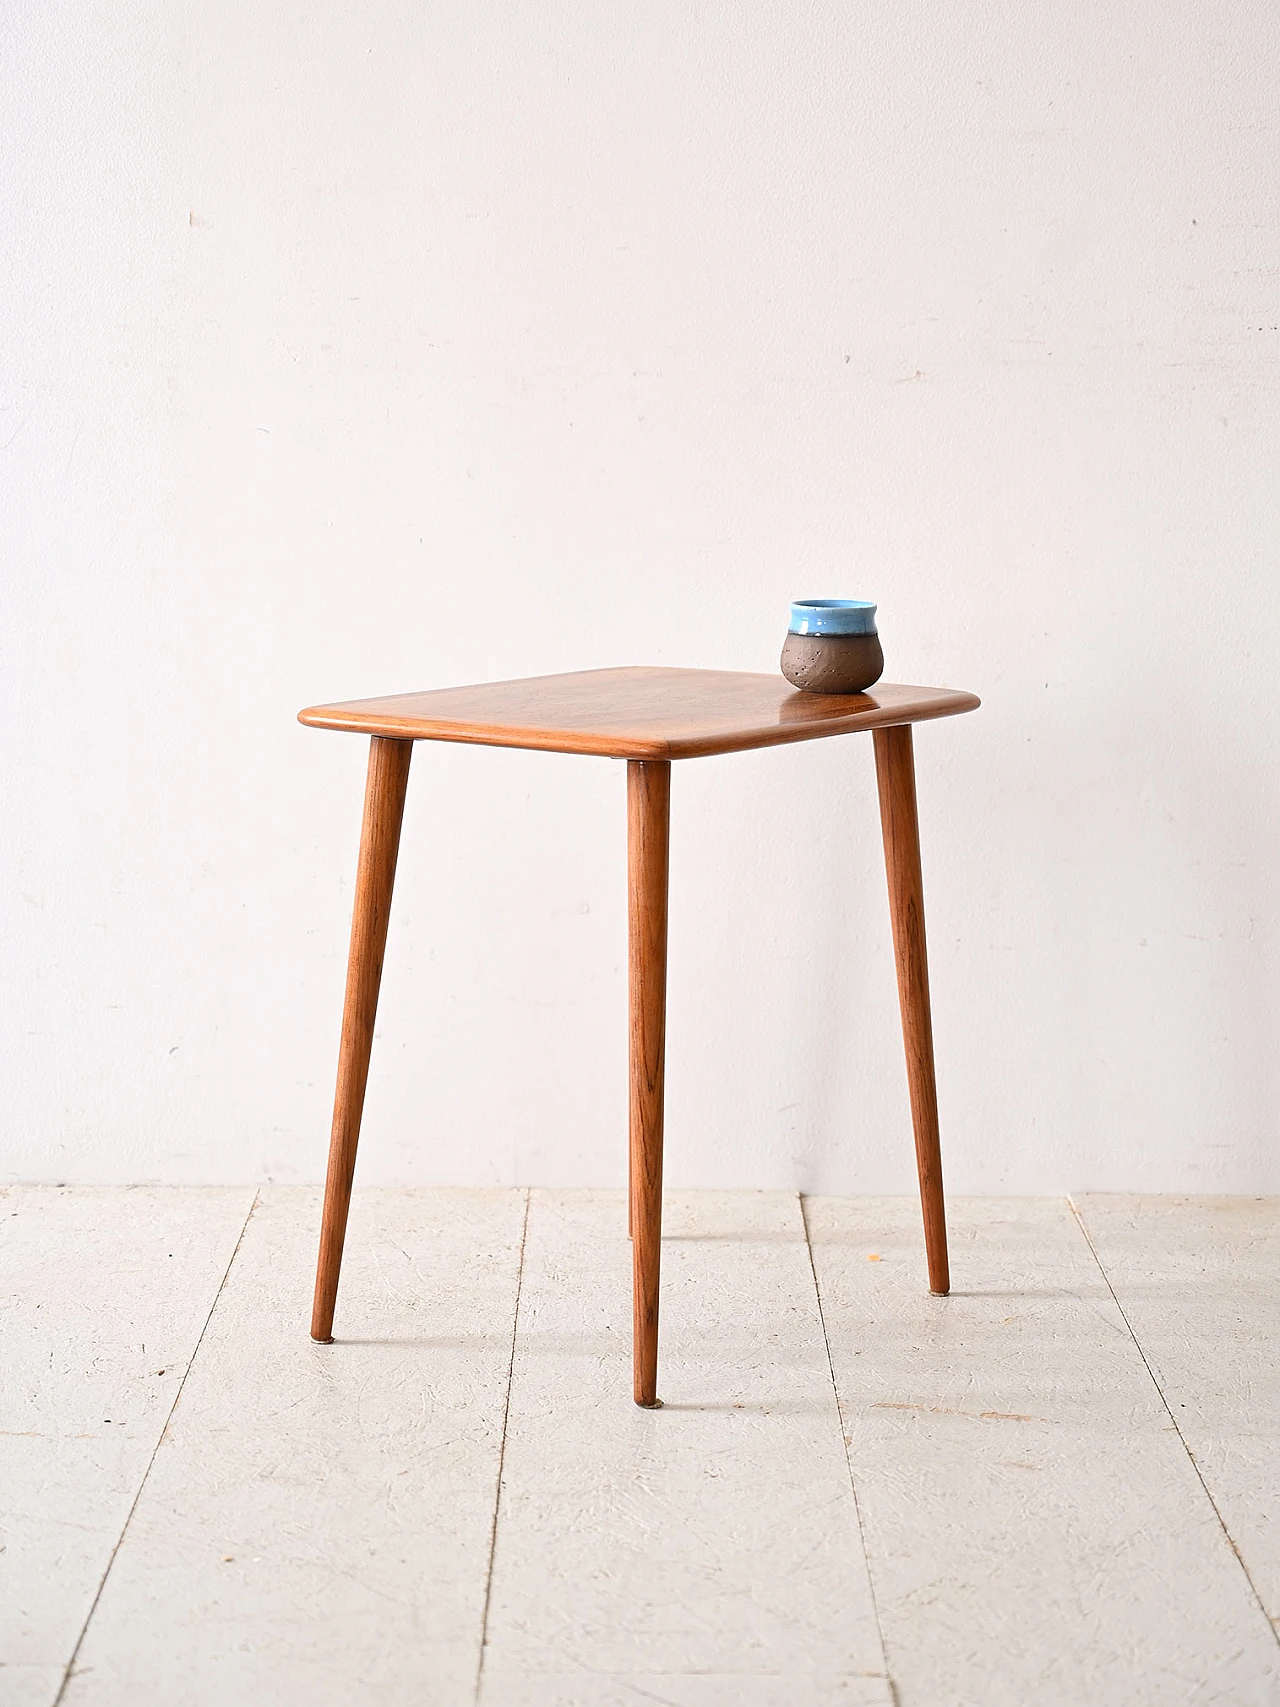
[[638, 712]]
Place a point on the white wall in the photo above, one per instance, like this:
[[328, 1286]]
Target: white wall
[[349, 349]]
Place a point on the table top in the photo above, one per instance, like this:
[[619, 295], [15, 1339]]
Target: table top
[[639, 712]]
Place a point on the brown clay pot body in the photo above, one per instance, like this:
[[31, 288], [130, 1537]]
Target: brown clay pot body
[[832, 663]]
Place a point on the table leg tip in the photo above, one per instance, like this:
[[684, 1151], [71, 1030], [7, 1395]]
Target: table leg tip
[[649, 1404], [322, 1339]]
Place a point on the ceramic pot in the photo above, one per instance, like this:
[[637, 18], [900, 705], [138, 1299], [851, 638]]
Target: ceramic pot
[[832, 646]]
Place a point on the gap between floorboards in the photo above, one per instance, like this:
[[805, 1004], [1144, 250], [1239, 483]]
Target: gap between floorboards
[[844, 1437], [1169, 1411], [502, 1452], [142, 1482]]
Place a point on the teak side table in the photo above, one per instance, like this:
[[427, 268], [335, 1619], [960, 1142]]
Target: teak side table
[[648, 717]]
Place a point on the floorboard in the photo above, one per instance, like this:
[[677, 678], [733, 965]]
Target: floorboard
[[704, 1553], [317, 1524], [1198, 1279], [104, 1292], [316, 1527], [1035, 1530], [30, 1686]]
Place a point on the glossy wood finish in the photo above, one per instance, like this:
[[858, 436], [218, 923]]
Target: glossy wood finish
[[387, 781], [896, 776], [648, 840], [648, 717], [637, 712]]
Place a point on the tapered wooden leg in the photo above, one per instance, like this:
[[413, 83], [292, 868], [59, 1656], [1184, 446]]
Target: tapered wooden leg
[[896, 775], [648, 834], [375, 876]]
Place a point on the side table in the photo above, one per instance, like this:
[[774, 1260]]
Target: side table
[[649, 717]]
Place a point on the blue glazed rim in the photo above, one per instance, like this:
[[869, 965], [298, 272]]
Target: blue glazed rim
[[832, 616]]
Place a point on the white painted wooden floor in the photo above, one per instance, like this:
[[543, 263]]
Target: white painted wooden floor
[[1059, 1485]]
